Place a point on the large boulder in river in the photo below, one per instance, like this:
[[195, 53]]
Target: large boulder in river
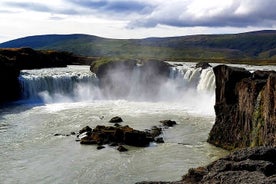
[[116, 119], [131, 78], [120, 135], [245, 108]]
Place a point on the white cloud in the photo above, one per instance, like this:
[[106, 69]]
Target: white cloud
[[114, 18]]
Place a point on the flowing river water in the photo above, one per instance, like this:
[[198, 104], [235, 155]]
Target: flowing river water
[[64, 100]]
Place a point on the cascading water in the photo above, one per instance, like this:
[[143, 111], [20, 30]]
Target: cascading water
[[194, 87], [77, 83], [74, 83], [201, 79]]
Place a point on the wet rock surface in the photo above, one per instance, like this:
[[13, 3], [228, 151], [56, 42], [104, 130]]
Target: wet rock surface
[[119, 135], [203, 65], [116, 119], [122, 135], [168, 123]]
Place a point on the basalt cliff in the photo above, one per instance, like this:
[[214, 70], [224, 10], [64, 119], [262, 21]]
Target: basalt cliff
[[245, 108]]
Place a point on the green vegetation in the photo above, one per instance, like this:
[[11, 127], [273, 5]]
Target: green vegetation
[[253, 47], [257, 123]]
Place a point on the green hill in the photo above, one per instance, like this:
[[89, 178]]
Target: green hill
[[258, 47]]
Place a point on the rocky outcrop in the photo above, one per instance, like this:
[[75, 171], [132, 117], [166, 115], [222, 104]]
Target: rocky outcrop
[[245, 108], [116, 119], [111, 135], [203, 65], [168, 123], [14, 60], [136, 78], [250, 166], [247, 166]]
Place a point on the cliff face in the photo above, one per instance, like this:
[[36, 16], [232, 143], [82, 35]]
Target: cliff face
[[245, 108]]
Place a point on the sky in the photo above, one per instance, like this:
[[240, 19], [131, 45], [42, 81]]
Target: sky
[[134, 18]]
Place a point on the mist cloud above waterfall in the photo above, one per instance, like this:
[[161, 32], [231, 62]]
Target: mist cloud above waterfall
[[134, 19]]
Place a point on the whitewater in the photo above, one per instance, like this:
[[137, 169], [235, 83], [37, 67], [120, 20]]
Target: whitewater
[[64, 100]]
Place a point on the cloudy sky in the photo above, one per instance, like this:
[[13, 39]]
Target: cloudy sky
[[134, 18]]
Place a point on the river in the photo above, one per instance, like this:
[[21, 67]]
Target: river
[[64, 100]]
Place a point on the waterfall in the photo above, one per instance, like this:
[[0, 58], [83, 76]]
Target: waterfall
[[207, 81], [203, 80], [76, 83], [65, 84]]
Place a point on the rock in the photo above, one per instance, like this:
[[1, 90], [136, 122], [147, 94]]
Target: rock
[[257, 165], [87, 140], [155, 131], [116, 119], [122, 148], [120, 135], [136, 138], [168, 123], [100, 147], [58, 134], [85, 129], [113, 144], [245, 108], [63, 135], [203, 65], [159, 140], [117, 125]]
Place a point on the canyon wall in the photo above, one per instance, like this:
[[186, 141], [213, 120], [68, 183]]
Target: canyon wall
[[245, 108]]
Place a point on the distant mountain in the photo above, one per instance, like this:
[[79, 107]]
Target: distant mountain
[[258, 45]]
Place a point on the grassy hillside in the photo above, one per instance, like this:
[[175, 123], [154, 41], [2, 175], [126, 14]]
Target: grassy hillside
[[258, 47]]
